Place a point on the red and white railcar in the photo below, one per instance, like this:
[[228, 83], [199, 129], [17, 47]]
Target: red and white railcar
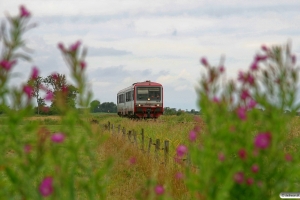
[[141, 100]]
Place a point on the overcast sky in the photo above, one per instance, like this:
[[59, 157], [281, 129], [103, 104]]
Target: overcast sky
[[162, 41]]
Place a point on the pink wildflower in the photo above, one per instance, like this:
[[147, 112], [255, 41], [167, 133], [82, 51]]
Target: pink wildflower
[[192, 136], [49, 96], [5, 64], [27, 148], [288, 157], [46, 186], [204, 62], [260, 57], [251, 104], [245, 94], [55, 77], [254, 66], [24, 12], [239, 177], [179, 175], [75, 46], [242, 154], [222, 69], [241, 112], [58, 137], [221, 157], [250, 79], [264, 48], [35, 73], [254, 168], [249, 181], [28, 90], [132, 160], [82, 65], [64, 89], [61, 47], [181, 150], [159, 190], [262, 140], [216, 100]]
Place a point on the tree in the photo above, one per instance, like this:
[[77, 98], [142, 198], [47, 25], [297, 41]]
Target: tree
[[36, 84], [64, 95], [95, 105], [108, 107]]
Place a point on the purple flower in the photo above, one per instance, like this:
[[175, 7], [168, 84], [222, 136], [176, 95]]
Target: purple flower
[[241, 112], [27, 148], [179, 175], [46, 187], [239, 177], [216, 100], [242, 154], [58, 137], [181, 150], [262, 140], [245, 94], [61, 47], [5, 64], [35, 73], [221, 157], [204, 62], [254, 66], [49, 96], [222, 69], [159, 190], [132, 160], [250, 181], [251, 104], [24, 12], [260, 57], [192, 136], [288, 157], [82, 65], [75, 46], [254, 168], [264, 48], [28, 90]]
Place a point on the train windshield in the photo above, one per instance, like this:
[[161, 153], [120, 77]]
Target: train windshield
[[149, 93]]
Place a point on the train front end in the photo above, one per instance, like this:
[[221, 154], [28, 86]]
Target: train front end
[[148, 100]]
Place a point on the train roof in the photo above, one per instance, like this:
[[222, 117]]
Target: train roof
[[145, 83]]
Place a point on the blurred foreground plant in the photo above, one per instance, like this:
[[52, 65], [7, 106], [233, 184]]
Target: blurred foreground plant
[[59, 165], [246, 150]]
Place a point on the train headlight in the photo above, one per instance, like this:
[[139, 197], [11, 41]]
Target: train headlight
[[157, 105], [139, 104], [148, 99]]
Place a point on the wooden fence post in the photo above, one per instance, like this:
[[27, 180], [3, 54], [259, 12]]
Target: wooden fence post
[[109, 126], [119, 127], [112, 129], [124, 132], [166, 151], [129, 136], [134, 137], [157, 148], [142, 133], [149, 146]]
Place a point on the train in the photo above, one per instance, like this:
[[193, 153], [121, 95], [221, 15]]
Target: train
[[141, 100]]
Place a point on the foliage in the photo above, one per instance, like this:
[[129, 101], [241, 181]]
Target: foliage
[[109, 107], [94, 106], [244, 153], [37, 161]]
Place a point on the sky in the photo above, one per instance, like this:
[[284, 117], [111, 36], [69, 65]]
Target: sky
[[157, 40]]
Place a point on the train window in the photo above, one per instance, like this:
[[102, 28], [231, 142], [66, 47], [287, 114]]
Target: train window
[[145, 93], [121, 98]]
